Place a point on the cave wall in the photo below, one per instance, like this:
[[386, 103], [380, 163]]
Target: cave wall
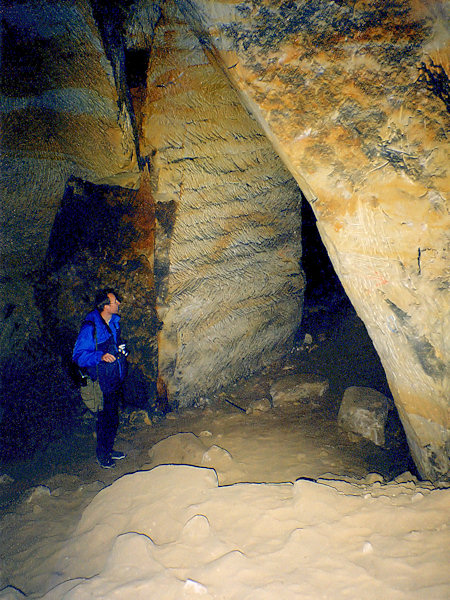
[[227, 225], [60, 118], [228, 274], [354, 97]]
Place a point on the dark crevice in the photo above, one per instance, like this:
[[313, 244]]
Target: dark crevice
[[111, 16], [136, 64], [329, 314], [341, 349]]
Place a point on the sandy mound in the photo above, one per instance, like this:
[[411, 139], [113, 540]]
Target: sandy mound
[[173, 533]]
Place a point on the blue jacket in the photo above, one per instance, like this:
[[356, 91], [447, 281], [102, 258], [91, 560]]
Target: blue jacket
[[94, 340]]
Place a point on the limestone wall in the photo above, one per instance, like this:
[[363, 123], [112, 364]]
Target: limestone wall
[[352, 99], [59, 113], [60, 118], [228, 274], [352, 96]]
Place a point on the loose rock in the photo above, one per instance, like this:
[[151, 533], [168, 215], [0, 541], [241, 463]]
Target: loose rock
[[364, 412]]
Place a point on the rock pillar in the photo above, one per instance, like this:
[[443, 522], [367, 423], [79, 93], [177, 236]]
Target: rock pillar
[[229, 281]]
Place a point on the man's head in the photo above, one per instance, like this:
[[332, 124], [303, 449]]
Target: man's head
[[107, 302]]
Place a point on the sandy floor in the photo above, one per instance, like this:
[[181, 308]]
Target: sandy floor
[[217, 503]]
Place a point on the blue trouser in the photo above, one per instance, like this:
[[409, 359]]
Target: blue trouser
[[107, 423]]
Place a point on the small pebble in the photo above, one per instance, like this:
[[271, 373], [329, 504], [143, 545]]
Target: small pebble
[[367, 548], [195, 587], [205, 434]]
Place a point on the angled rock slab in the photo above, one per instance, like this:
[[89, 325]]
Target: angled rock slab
[[294, 388], [364, 411]]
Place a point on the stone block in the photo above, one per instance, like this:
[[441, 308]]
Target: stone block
[[364, 412]]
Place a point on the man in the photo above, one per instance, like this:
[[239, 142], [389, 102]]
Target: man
[[99, 352]]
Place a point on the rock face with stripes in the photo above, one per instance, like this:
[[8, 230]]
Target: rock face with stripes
[[227, 246], [60, 119], [230, 285], [355, 98]]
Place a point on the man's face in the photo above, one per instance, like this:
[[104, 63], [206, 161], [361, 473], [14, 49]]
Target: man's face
[[113, 307]]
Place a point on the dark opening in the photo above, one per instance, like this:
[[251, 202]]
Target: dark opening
[[341, 348], [331, 320], [136, 63]]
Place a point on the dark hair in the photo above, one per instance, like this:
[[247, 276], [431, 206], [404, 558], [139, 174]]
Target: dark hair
[[102, 299]]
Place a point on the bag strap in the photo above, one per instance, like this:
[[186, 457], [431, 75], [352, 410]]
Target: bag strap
[[94, 327], [96, 366]]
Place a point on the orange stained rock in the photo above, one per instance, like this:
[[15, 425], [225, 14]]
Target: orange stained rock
[[400, 196], [346, 146], [350, 88], [426, 408], [155, 93], [333, 205], [144, 215], [290, 54], [162, 398], [143, 220]]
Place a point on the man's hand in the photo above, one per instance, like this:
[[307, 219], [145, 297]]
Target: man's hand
[[109, 358]]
